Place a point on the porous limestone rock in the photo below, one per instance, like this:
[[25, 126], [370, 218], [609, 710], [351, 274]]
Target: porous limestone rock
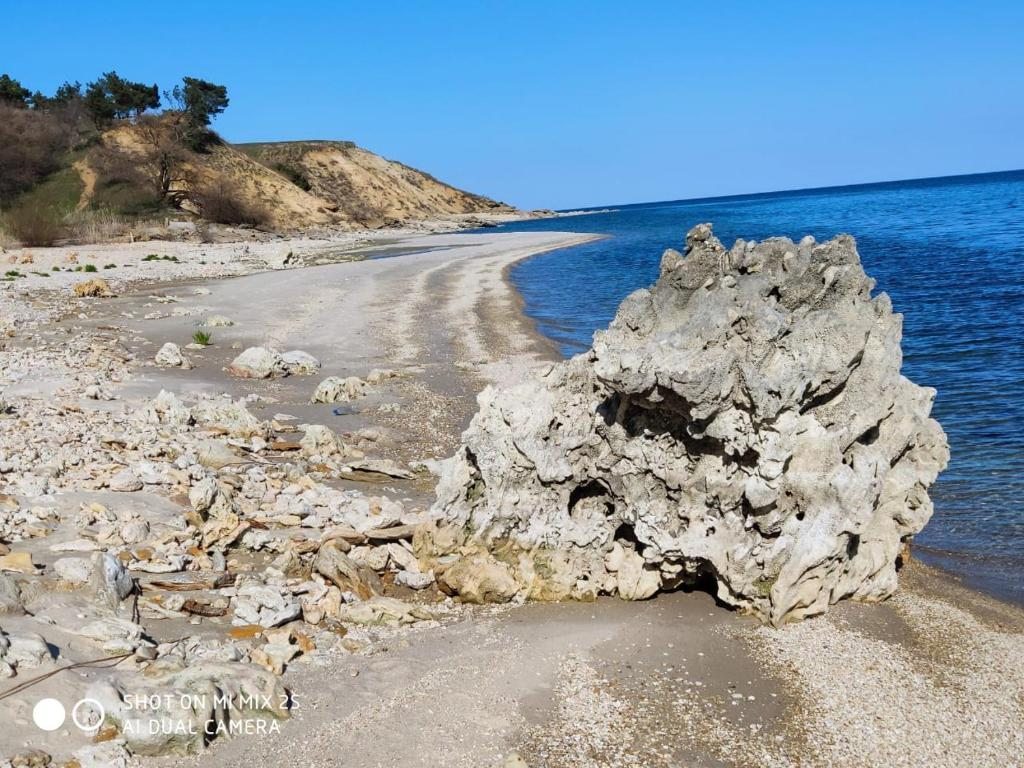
[[335, 389], [264, 363], [319, 440], [299, 363], [257, 363], [231, 417], [166, 408], [743, 421]]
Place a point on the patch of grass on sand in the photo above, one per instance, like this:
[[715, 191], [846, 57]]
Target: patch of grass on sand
[[203, 338]]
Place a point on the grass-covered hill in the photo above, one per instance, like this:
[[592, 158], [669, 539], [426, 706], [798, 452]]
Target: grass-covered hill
[[93, 163]]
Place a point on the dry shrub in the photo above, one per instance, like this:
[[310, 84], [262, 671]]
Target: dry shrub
[[95, 226], [35, 225], [217, 203]]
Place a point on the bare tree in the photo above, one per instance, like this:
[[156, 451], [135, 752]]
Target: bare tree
[[164, 158]]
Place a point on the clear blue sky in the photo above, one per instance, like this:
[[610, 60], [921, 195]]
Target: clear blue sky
[[563, 104]]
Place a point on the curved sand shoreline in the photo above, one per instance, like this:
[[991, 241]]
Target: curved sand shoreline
[[931, 677]]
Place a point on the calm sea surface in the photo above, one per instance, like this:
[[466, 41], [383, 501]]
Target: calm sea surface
[[950, 253]]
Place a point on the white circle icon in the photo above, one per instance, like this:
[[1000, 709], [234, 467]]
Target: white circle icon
[[85, 721], [48, 714]]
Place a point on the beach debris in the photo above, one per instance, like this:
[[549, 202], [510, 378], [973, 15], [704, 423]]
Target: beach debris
[[743, 420]]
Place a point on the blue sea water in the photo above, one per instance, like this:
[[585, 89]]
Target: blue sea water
[[950, 253]]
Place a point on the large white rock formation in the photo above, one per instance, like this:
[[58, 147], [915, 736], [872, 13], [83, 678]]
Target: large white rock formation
[[744, 420]]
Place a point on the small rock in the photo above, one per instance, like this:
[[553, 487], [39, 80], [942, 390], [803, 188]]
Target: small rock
[[414, 579], [170, 356], [111, 583], [18, 562], [10, 596], [299, 363], [125, 481], [109, 754], [345, 573], [257, 363], [479, 578], [338, 390], [73, 570], [384, 610]]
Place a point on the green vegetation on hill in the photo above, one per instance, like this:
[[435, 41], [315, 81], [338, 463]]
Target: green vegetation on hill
[[95, 161], [49, 144]]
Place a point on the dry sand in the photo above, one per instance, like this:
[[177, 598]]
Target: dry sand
[[933, 677]]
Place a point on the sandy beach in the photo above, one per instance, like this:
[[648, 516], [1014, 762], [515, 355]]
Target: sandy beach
[[931, 677]]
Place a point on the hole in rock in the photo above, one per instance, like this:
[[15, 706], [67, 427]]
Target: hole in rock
[[590, 495], [627, 535], [701, 578], [852, 545], [870, 436]]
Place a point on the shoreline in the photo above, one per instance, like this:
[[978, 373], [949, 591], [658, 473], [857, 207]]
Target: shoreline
[[606, 683]]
